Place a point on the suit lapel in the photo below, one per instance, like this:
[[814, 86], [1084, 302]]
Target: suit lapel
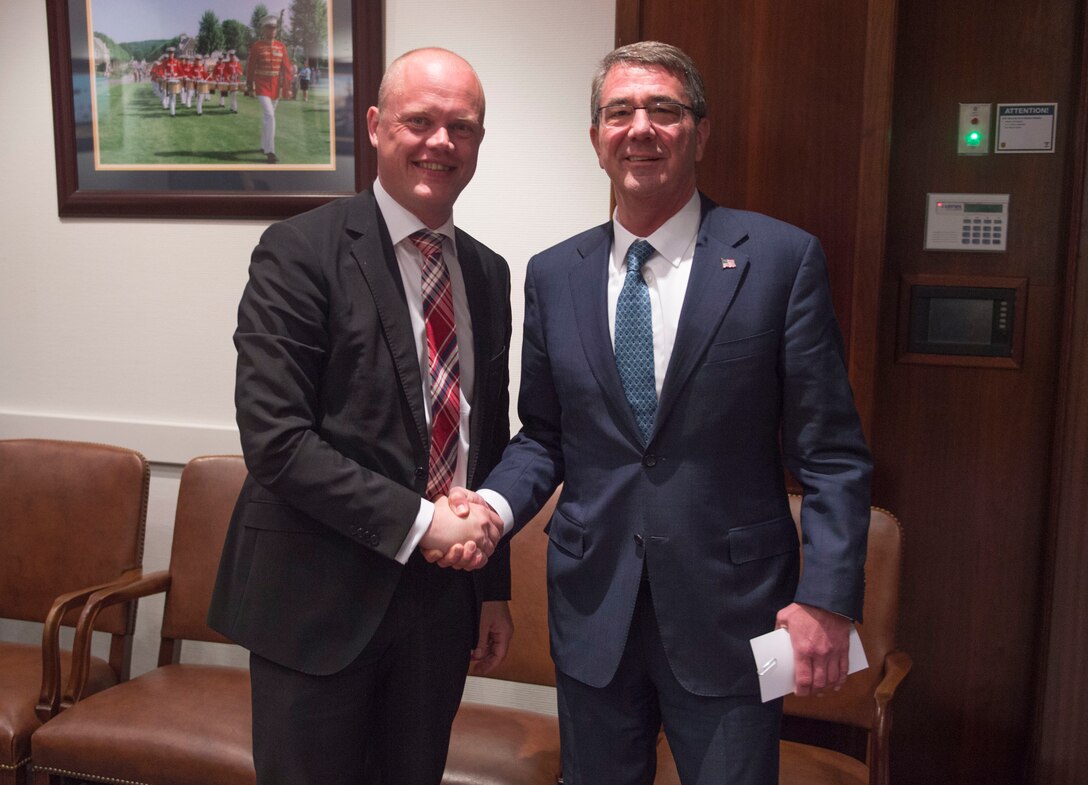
[[589, 293], [717, 272], [373, 252], [476, 288]]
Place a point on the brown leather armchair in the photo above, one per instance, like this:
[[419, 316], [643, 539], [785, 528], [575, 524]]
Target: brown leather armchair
[[177, 724], [72, 520], [865, 702], [493, 745]]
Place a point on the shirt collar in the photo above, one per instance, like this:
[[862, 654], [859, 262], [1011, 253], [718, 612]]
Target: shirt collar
[[672, 240], [400, 221]]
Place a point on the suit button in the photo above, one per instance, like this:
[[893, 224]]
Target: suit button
[[638, 540], [374, 540], [420, 471], [649, 460]]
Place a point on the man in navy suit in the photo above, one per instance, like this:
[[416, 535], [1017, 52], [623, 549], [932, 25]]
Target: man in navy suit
[[359, 647], [667, 399]]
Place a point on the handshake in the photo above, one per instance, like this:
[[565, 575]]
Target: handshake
[[463, 532]]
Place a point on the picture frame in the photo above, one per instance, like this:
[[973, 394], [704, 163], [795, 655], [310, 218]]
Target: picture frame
[[208, 165]]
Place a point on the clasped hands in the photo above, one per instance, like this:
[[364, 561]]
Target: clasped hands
[[463, 532]]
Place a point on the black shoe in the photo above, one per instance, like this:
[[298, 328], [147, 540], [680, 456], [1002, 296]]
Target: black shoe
[[272, 159]]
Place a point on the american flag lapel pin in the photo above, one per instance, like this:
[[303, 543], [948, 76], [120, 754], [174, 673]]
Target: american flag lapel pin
[[729, 264]]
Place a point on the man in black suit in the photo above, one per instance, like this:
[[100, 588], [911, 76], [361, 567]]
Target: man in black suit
[[372, 375]]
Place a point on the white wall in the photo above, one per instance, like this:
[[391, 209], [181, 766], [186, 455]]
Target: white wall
[[119, 330]]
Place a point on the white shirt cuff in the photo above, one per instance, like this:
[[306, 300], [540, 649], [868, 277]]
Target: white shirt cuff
[[501, 506], [419, 528]]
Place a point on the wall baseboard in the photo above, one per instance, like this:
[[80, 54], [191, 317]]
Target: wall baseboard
[[171, 443]]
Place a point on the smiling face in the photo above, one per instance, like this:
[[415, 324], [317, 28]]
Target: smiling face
[[652, 169], [427, 130]]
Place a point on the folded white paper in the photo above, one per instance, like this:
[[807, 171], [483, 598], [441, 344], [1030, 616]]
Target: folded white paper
[[774, 661]]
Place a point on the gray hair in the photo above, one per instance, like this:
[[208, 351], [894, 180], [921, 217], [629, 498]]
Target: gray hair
[[652, 53]]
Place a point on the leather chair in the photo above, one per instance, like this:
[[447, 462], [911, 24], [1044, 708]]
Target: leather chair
[[494, 745], [865, 702], [71, 520], [177, 724]]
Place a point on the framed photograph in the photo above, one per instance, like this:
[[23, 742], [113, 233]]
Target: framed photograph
[[212, 108]]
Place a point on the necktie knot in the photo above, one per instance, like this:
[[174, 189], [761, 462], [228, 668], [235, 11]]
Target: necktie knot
[[637, 255], [429, 243]]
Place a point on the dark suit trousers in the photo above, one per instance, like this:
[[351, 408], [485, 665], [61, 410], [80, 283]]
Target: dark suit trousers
[[608, 734], [385, 719]]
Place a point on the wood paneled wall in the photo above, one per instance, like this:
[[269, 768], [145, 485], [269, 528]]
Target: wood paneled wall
[[964, 454], [994, 581], [1060, 755], [799, 108]]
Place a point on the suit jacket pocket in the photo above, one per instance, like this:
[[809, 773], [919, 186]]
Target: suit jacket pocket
[[762, 540], [275, 515], [741, 348], [566, 534], [258, 493]]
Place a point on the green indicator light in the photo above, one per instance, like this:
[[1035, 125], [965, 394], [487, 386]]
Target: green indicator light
[[974, 139]]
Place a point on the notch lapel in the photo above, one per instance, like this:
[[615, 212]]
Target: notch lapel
[[717, 273], [589, 294], [477, 290], [373, 251]]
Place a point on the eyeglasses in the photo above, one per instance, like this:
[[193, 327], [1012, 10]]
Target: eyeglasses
[[660, 113]]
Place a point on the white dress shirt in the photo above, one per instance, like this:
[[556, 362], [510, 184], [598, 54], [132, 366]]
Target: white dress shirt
[[666, 273], [401, 224]]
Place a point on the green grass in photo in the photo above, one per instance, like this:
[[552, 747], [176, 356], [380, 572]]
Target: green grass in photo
[[135, 130]]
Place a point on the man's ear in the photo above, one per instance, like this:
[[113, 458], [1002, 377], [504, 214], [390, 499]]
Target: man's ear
[[594, 133], [372, 125], [702, 133]]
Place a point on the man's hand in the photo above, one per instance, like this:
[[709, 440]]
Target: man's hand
[[463, 503], [821, 647], [496, 630], [469, 539]]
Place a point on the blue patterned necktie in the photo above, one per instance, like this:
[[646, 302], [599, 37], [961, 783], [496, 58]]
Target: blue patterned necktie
[[635, 339]]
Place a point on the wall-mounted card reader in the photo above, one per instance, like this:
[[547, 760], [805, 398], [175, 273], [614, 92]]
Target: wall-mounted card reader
[[967, 222]]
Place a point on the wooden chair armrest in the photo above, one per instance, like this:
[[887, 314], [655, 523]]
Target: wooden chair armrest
[[49, 695], [897, 665], [140, 586]]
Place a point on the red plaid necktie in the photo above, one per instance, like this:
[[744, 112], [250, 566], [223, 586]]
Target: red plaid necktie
[[442, 357]]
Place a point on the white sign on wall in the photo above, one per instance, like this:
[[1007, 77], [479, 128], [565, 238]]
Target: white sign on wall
[[1025, 128]]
